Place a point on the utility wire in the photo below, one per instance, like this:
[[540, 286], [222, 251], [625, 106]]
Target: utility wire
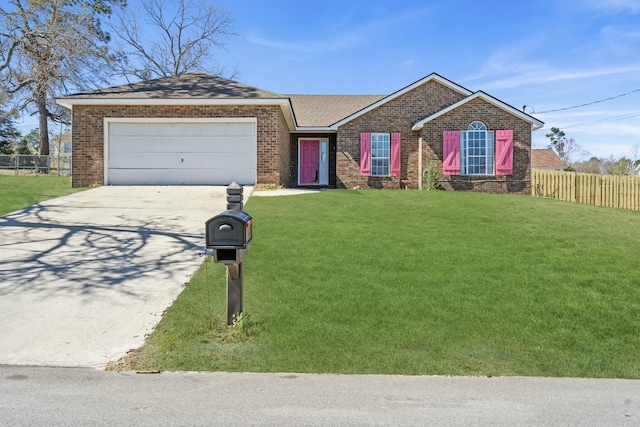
[[589, 103], [609, 119]]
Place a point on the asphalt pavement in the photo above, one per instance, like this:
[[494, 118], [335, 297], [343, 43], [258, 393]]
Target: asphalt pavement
[[81, 397]]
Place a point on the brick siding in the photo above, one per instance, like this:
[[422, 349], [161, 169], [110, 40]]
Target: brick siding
[[400, 114], [397, 115], [88, 136], [277, 150], [494, 118]]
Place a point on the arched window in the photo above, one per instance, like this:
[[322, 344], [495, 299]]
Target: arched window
[[476, 150]]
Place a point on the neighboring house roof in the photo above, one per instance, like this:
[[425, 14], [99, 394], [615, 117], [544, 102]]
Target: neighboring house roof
[[325, 110], [535, 123], [63, 138], [546, 158], [312, 112]]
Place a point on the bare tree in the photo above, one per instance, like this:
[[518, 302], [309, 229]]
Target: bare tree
[[48, 47], [170, 37], [593, 165], [566, 148], [612, 166]]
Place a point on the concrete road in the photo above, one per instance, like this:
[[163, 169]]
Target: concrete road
[[81, 397], [83, 278]]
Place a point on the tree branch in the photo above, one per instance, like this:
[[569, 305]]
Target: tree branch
[[188, 31]]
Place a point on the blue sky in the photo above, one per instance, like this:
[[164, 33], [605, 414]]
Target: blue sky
[[546, 54]]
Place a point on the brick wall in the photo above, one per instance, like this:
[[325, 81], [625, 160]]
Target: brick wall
[[284, 153], [88, 136], [400, 114], [397, 115], [494, 118]]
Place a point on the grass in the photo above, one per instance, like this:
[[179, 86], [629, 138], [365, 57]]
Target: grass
[[406, 282], [21, 191]]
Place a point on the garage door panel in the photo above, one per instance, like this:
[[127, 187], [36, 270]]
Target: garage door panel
[[182, 129], [176, 161], [172, 144], [219, 161], [214, 153], [178, 177]]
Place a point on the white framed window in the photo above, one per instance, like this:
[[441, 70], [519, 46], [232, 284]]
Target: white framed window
[[477, 150], [380, 154]]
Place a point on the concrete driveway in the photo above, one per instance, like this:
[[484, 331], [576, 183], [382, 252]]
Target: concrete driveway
[[83, 278]]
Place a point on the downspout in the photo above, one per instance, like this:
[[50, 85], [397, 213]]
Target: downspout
[[531, 183], [420, 163]]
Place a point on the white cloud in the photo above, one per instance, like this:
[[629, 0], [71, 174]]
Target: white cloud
[[344, 42], [614, 6], [551, 75], [357, 36], [619, 41], [621, 32]]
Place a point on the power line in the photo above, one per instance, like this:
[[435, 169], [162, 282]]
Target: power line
[[609, 119], [589, 103]]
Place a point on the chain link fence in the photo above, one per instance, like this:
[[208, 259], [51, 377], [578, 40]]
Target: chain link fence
[[22, 164]]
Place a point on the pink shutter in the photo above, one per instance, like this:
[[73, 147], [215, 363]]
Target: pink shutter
[[451, 152], [365, 154], [395, 153], [504, 152]]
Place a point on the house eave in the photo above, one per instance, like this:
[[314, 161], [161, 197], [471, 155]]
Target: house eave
[[314, 129], [283, 103]]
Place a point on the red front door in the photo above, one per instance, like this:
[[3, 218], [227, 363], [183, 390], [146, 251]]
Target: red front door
[[309, 161]]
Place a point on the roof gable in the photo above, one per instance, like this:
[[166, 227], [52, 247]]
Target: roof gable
[[535, 123], [431, 77]]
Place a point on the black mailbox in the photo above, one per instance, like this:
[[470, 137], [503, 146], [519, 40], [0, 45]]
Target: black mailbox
[[229, 235]]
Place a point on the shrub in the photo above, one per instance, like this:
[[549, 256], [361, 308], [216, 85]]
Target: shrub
[[432, 177]]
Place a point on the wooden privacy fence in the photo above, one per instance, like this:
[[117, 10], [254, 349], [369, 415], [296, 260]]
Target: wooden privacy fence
[[616, 191]]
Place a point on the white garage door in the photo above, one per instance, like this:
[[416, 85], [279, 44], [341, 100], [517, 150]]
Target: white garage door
[[179, 151]]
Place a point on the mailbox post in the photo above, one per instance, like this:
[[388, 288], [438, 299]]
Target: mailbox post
[[229, 235], [234, 197]]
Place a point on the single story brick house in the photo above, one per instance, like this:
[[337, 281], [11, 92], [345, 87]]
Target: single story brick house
[[200, 129]]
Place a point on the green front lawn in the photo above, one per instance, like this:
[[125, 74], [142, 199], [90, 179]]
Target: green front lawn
[[21, 191], [408, 282]]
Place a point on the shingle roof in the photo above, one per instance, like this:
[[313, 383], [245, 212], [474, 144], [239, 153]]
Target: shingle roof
[[310, 111], [545, 158], [196, 84], [325, 110]]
